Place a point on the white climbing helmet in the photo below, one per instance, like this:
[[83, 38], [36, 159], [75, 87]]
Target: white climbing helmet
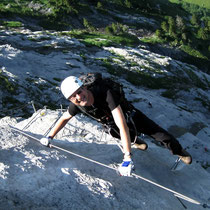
[[70, 85]]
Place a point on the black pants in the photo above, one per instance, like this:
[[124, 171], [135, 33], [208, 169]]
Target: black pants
[[148, 127]]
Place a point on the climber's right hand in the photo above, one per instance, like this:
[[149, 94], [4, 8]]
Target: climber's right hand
[[46, 141]]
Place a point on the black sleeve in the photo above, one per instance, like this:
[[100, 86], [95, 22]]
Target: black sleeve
[[112, 99], [72, 109]]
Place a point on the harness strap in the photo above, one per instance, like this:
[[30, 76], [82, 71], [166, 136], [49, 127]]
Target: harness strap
[[108, 126], [82, 110], [129, 118]]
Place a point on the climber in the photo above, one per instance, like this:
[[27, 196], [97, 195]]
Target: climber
[[106, 104]]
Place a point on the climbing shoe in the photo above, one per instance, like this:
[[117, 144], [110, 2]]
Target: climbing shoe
[[185, 157], [140, 144]]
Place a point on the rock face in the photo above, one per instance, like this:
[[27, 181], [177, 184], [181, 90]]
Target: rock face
[[174, 94], [33, 176], [34, 63]]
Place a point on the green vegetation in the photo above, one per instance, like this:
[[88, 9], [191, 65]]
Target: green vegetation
[[114, 34], [191, 51], [180, 24], [88, 25], [10, 8], [102, 39], [203, 3], [11, 24], [184, 24], [6, 84], [153, 78], [192, 40], [153, 39], [170, 93], [116, 29]]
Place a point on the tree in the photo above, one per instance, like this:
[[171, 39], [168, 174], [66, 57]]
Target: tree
[[64, 7], [87, 25], [184, 37], [172, 27], [99, 5], [116, 29], [164, 26], [119, 2], [202, 34], [159, 33], [194, 20], [207, 24], [109, 30], [180, 23], [128, 4], [173, 34], [171, 21]]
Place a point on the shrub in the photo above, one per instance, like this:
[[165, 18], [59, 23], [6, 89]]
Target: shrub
[[99, 5], [63, 7], [88, 25], [172, 27], [116, 29], [194, 20], [180, 23], [159, 33], [12, 24], [128, 4], [202, 34], [164, 26], [171, 21], [6, 84], [109, 30], [184, 37]]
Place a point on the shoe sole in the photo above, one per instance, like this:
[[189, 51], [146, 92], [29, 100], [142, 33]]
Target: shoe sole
[[187, 160], [142, 147]]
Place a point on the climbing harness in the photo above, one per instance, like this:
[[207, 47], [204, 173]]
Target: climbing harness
[[176, 194]]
